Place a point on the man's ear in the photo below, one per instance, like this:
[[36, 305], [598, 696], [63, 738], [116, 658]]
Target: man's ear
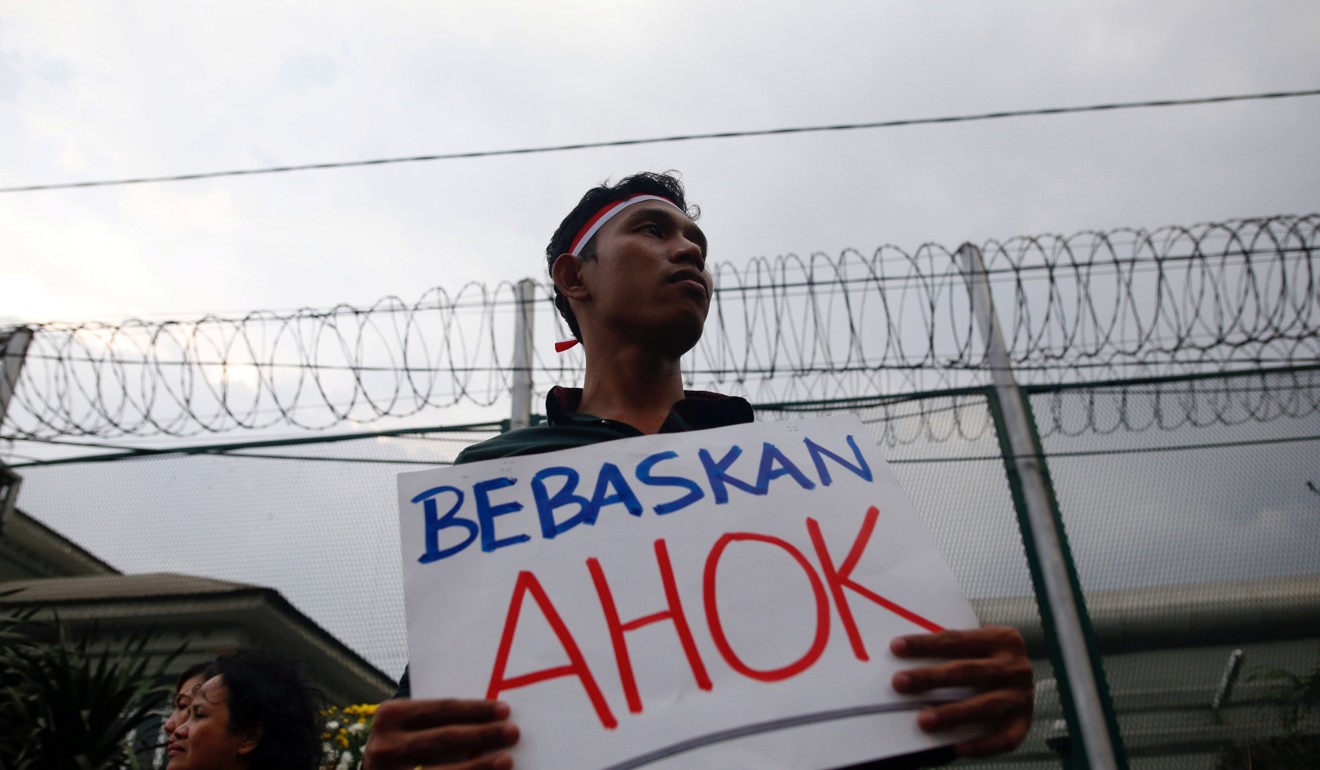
[[567, 276]]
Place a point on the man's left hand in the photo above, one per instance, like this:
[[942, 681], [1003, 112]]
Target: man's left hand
[[992, 661]]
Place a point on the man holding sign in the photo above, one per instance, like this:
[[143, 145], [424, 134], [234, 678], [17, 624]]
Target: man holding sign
[[629, 268]]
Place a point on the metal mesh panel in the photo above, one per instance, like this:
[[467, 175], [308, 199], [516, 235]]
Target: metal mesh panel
[[1191, 507], [318, 522], [1215, 500], [945, 452], [1201, 486]]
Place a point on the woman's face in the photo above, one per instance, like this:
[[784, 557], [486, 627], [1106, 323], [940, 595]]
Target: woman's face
[[202, 740], [182, 700]]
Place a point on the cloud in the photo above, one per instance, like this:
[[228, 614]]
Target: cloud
[[308, 71]]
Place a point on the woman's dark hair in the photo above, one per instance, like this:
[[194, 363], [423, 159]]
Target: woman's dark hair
[[267, 691], [665, 185], [205, 669]]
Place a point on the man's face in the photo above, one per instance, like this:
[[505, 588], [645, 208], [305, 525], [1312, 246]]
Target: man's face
[[648, 280]]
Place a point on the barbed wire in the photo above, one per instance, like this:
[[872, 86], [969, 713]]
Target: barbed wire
[[1066, 411], [1118, 304]]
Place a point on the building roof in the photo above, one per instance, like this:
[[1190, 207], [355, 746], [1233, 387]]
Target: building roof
[[1162, 617], [30, 549], [214, 615], [90, 588], [42, 569]]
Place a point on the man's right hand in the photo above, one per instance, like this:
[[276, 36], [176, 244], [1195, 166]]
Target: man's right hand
[[440, 735]]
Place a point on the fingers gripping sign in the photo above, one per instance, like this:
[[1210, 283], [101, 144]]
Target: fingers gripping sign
[[446, 734], [992, 662]]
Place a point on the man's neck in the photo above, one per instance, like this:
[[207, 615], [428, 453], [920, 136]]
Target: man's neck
[[631, 385]]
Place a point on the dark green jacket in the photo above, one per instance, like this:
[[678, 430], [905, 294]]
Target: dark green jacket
[[566, 428]]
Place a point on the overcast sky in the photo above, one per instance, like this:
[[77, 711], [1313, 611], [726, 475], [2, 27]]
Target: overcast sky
[[94, 90]]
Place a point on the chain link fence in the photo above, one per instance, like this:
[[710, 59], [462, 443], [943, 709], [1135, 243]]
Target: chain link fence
[[1189, 505]]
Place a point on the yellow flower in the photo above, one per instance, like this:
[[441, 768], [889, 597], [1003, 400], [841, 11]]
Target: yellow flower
[[361, 709]]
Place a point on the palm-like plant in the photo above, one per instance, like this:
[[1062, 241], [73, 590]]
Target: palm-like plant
[[64, 704], [1297, 696]]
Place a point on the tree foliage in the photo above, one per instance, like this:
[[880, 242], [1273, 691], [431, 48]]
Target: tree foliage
[[64, 704], [1296, 696]]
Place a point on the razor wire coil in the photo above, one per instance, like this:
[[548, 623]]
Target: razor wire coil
[[1120, 304]]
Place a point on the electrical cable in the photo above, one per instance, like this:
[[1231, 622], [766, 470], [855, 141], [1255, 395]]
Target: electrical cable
[[664, 140]]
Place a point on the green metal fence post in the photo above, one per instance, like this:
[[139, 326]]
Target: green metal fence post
[[1083, 692]]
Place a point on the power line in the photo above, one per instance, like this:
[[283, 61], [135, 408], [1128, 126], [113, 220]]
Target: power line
[[191, 451], [665, 139]]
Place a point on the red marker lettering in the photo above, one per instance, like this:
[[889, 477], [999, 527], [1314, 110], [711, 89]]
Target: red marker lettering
[[577, 666], [717, 627], [673, 614], [838, 579]]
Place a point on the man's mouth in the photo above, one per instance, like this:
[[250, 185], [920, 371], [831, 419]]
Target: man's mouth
[[691, 276]]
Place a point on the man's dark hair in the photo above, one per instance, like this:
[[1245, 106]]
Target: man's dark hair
[[267, 691], [666, 185]]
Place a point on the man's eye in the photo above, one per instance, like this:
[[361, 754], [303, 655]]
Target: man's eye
[[653, 229]]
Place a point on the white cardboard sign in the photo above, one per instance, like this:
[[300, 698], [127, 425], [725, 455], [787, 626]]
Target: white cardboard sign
[[714, 599]]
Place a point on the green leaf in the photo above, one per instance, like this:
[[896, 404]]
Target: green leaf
[[64, 703]]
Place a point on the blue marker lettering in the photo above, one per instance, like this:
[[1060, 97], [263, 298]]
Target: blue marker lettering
[[770, 455], [435, 523], [718, 473], [546, 504], [611, 477], [861, 468], [486, 513], [644, 475]]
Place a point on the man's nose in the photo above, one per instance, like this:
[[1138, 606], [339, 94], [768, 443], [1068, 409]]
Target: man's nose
[[690, 251]]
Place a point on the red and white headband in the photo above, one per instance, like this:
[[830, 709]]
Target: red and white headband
[[598, 221]]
